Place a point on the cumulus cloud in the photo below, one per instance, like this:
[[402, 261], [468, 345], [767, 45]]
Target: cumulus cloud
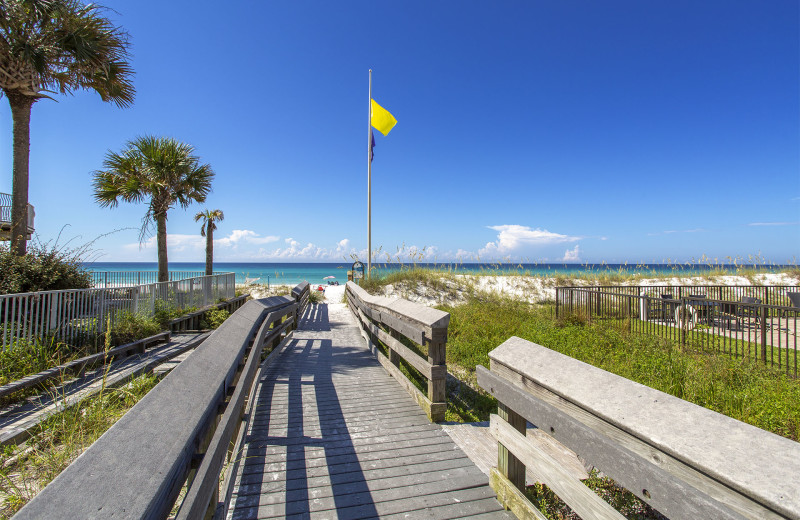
[[244, 236], [572, 255], [512, 238]]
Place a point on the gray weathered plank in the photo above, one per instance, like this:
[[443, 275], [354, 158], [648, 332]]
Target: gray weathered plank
[[331, 434]]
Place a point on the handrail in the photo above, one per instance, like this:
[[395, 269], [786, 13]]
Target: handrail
[[172, 428], [684, 460], [424, 326]]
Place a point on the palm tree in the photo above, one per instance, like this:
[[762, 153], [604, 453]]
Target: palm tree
[[161, 169], [209, 217], [48, 47]]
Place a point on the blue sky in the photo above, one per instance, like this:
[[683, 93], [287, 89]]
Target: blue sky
[[537, 131]]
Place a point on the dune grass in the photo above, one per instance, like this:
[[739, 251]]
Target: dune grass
[[742, 389], [59, 439]]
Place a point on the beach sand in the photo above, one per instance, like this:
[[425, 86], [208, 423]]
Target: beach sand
[[533, 289]]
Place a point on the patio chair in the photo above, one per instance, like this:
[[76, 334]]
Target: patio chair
[[701, 306], [667, 307], [747, 311], [794, 298]]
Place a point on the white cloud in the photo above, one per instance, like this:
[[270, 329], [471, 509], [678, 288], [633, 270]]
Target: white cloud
[[572, 255], [672, 231], [512, 238], [773, 223], [244, 236]]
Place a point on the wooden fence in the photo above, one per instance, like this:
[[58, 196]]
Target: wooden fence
[[413, 335], [684, 460], [731, 320], [77, 316], [180, 432]]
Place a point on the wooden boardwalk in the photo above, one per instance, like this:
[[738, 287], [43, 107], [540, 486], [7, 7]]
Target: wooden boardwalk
[[332, 435]]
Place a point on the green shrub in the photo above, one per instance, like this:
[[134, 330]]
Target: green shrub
[[214, 318], [132, 326], [46, 267], [316, 297], [165, 312]]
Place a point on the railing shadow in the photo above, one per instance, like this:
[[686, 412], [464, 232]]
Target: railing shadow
[[300, 455], [315, 317]]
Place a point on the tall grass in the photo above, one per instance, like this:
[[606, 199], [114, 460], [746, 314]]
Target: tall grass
[[59, 439], [742, 389]]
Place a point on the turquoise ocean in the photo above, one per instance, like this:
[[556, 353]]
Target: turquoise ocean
[[315, 273]]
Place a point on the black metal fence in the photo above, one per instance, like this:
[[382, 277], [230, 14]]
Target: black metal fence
[[757, 322]]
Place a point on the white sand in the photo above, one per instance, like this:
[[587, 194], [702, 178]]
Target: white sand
[[333, 293], [536, 289], [533, 289]]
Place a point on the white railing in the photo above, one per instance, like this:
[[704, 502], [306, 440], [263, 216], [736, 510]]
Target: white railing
[[102, 279], [78, 316]]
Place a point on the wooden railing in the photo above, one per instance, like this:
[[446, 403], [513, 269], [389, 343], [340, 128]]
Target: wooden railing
[[684, 460], [180, 432], [387, 323]]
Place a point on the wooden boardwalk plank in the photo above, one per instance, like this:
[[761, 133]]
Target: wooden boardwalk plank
[[332, 435]]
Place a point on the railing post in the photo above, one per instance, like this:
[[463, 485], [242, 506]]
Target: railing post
[[277, 340], [394, 357], [556, 302], [508, 465], [763, 326], [684, 319], [437, 385]]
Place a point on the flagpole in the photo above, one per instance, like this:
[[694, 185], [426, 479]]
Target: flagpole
[[369, 179]]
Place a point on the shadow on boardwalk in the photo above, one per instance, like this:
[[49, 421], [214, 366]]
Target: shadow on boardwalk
[[332, 435]]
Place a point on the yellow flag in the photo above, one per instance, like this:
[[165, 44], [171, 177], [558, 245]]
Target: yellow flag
[[382, 120]]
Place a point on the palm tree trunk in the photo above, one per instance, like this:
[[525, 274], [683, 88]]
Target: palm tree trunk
[[209, 250], [21, 115], [161, 238]]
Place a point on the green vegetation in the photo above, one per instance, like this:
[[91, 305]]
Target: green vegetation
[[209, 217], [160, 170], [742, 389], [213, 319], [49, 47], [26, 358], [46, 267], [620, 499], [315, 297], [58, 440]]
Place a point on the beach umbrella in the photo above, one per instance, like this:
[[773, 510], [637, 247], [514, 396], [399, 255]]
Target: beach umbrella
[[329, 277]]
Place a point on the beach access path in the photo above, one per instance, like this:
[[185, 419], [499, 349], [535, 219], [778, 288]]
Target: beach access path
[[332, 435]]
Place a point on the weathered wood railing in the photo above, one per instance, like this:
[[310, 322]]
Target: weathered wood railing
[[179, 433], [684, 460], [387, 320], [192, 320]]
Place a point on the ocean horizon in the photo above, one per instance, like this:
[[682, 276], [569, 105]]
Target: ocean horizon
[[292, 273]]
